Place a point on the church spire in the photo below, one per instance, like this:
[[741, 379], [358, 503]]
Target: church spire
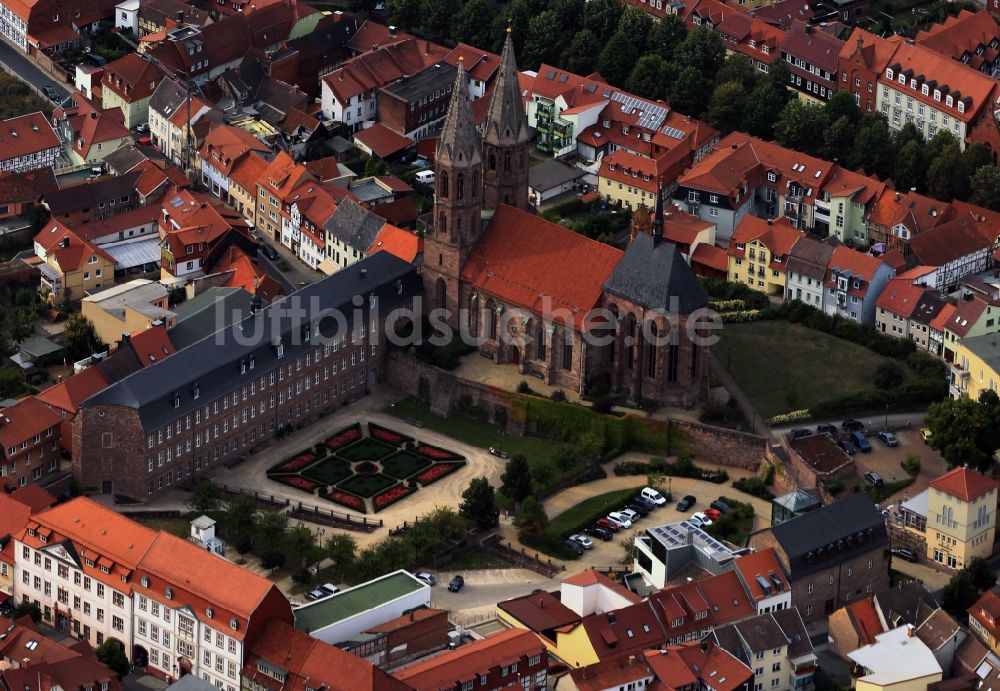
[[658, 216], [459, 144], [506, 121]]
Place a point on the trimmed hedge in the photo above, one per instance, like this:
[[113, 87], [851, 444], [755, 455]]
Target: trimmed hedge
[[682, 467]]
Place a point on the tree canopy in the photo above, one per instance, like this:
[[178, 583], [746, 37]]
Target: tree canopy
[[966, 432]]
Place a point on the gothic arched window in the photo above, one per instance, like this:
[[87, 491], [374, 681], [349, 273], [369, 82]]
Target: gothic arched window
[[443, 187]]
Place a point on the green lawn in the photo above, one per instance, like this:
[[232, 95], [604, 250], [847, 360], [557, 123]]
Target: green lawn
[[366, 450], [586, 512], [404, 464], [366, 485], [329, 471], [475, 433], [782, 366]]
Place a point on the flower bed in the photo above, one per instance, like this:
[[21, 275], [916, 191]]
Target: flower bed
[[438, 454], [403, 464], [366, 450], [387, 435], [345, 499], [436, 472], [294, 465], [366, 468], [390, 496], [346, 436], [296, 481], [328, 471], [367, 485]]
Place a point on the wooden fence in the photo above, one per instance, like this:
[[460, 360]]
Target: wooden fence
[[334, 519], [521, 557]]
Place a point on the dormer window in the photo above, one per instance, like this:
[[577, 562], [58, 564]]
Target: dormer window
[[925, 90], [31, 532], [771, 177], [144, 581], [124, 578], [169, 593], [196, 390], [937, 94], [42, 539], [209, 612], [913, 83], [949, 101], [902, 79], [234, 624], [961, 106], [177, 401], [888, 73], [251, 362], [105, 569]]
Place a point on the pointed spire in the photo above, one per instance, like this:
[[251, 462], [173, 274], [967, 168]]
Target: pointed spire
[[640, 222], [459, 143], [506, 122], [658, 216]]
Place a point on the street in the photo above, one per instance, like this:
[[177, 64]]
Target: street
[[18, 64], [913, 419], [298, 273]]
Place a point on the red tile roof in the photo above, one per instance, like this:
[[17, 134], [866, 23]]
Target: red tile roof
[[943, 319], [859, 264], [865, 620], [67, 395], [630, 169], [35, 497], [815, 47], [741, 33], [401, 243], [778, 236], [964, 83], [382, 141], [13, 518], [525, 260], [23, 420], [987, 611], [372, 70], [963, 37], [26, 134], [247, 172], [617, 672], [152, 345], [686, 665], [225, 144], [901, 297], [952, 240], [324, 168], [764, 564], [480, 65], [681, 227], [465, 663], [965, 483], [710, 256], [247, 275], [132, 78], [27, 186], [540, 612]]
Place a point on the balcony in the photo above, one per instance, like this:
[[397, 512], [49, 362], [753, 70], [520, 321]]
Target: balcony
[[545, 110]]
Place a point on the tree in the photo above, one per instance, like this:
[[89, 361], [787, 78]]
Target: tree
[[473, 24], [955, 426], [702, 50], [80, 338], [479, 503], [342, 550], [976, 155], [617, 58], [986, 187], [300, 543], [635, 23], [271, 528], [542, 473], [112, 653], [873, 149], [727, 109], [649, 77], [666, 36], [241, 516], [531, 521], [579, 55], [801, 127], [569, 15], [27, 609], [841, 105], [839, 139], [691, 92], [964, 588], [982, 576], [436, 17], [541, 45], [601, 18], [907, 133], [764, 106], [948, 175], [889, 375], [516, 478], [911, 167], [404, 13], [204, 497]]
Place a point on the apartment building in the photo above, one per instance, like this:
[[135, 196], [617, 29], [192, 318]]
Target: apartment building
[[812, 56], [757, 40], [972, 38], [223, 149], [854, 281], [128, 83], [961, 517], [175, 606], [274, 188], [775, 646], [193, 227], [28, 142], [906, 308], [221, 396], [860, 63], [29, 434], [414, 106], [759, 251], [72, 265], [806, 269]]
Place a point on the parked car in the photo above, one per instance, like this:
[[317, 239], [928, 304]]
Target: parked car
[[926, 435], [51, 92], [861, 442], [620, 519], [905, 554], [640, 508], [874, 478], [574, 545], [888, 438], [427, 578], [456, 583], [721, 506], [700, 518], [686, 503], [321, 592], [582, 540], [631, 514], [801, 432], [642, 501], [651, 495], [852, 426], [847, 446], [608, 524], [599, 531], [269, 252], [330, 588], [826, 429], [713, 514]]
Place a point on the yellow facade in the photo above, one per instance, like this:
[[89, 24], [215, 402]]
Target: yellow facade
[[573, 647], [93, 273], [909, 685], [754, 271], [110, 328], [958, 530], [243, 201], [628, 196], [135, 112], [971, 372]]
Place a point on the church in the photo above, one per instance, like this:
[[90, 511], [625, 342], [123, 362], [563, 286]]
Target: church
[[579, 314]]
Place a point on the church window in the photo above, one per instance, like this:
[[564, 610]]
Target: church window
[[460, 186], [506, 163], [442, 222], [541, 341], [672, 364], [444, 184], [568, 353], [651, 352], [493, 161]]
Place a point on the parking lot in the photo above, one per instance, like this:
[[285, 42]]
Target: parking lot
[[887, 461]]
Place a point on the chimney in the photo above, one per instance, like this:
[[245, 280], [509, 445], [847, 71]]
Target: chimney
[[541, 603], [897, 196], [770, 221], [909, 630], [427, 47], [93, 115], [126, 339], [364, 273], [734, 146], [912, 190]]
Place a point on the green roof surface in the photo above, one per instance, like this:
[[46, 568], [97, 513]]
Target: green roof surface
[[318, 615]]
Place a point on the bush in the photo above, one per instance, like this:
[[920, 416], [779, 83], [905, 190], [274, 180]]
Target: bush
[[911, 464], [755, 487], [272, 559], [302, 576], [834, 487], [889, 375], [558, 396], [602, 405], [522, 387]]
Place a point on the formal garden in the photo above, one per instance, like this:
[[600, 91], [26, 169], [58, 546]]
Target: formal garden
[[366, 473]]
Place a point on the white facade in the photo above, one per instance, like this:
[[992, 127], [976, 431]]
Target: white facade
[[895, 99], [592, 598], [215, 180], [299, 242], [358, 109], [805, 288], [13, 28], [46, 158], [127, 16]]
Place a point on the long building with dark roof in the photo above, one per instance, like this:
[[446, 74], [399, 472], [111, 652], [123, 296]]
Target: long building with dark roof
[[833, 555], [230, 392]]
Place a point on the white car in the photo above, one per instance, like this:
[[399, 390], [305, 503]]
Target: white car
[[701, 519], [427, 578], [633, 516], [583, 541], [620, 519], [652, 495]]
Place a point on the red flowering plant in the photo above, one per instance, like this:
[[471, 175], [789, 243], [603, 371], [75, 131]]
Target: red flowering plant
[[436, 472], [366, 468], [387, 435], [296, 464], [298, 482], [344, 437], [348, 500], [390, 496], [437, 454]]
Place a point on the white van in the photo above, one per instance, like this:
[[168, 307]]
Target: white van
[[652, 495], [426, 176]]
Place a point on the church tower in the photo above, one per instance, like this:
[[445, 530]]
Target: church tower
[[458, 201], [505, 139]]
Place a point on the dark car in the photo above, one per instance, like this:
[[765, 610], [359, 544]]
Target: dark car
[[874, 479], [269, 252], [905, 554], [848, 447], [575, 546], [51, 92], [720, 506], [639, 499], [826, 429], [801, 432], [853, 426], [456, 583], [686, 503], [599, 531], [640, 508], [861, 442]]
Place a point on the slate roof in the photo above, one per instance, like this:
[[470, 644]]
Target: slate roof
[[354, 225], [506, 120], [816, 530], [197, 317], [552, 173], [88, 195], [790, 621], [810, 257], [652, 273], [214, 362], [897, 606], [761, 633]]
